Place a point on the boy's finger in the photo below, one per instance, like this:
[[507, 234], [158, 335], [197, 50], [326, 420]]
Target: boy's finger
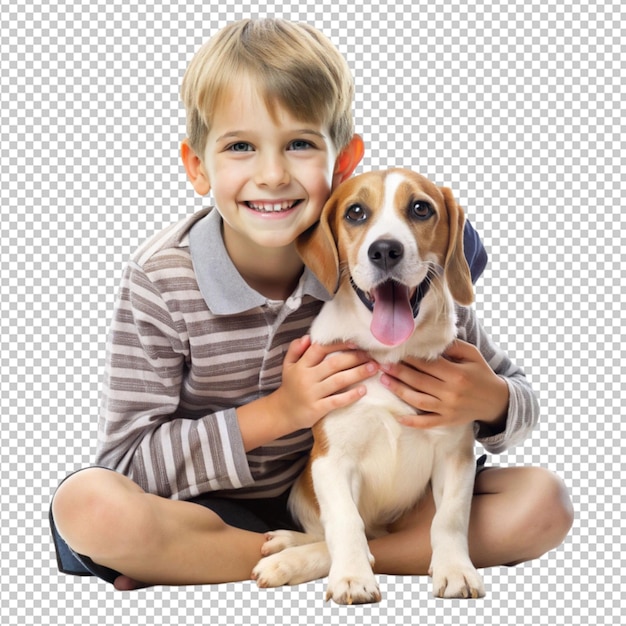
[[421, 422], [318, 353], [460, 350], [343, 378], [296, 349], [345, 398], [436, 368]]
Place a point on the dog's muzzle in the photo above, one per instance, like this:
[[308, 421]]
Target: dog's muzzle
[[393, 309]]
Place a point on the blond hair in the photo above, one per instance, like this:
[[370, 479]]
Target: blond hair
[[292, 64]]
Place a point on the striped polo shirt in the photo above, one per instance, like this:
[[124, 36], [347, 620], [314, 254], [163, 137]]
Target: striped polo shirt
[[190, 341]]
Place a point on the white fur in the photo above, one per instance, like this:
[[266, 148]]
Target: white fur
[[374, 468], [385, 225]]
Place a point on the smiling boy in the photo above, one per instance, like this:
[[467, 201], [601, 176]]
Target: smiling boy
[[212, 385]]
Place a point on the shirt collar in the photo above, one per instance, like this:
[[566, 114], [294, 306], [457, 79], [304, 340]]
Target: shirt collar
[[221, 285]]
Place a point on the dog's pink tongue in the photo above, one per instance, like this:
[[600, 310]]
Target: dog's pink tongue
[[393, 316]]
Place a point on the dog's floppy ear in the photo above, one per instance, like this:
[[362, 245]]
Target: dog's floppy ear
[[317, 248], [456, 270]]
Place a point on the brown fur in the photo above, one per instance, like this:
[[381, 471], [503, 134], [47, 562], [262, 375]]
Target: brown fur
[[322, 245]]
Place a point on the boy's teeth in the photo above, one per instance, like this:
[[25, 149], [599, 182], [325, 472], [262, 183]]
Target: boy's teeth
[[270, 207]]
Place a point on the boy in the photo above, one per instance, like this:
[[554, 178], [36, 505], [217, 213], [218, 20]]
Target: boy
[[211, 383]]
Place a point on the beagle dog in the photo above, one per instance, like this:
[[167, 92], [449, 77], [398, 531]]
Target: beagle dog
[[389, 246]]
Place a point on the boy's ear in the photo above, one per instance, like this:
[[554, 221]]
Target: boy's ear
[[348, 159], [195, 169]]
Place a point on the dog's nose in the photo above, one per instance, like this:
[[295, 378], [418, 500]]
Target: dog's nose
[[386, 253]]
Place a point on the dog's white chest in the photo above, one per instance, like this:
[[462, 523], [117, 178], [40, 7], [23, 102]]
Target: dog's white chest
[[394, 463]]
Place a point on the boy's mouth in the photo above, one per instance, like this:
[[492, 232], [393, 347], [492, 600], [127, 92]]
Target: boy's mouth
[[272, 207]]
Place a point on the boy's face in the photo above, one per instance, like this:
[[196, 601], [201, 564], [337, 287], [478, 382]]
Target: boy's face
[[270, 175]]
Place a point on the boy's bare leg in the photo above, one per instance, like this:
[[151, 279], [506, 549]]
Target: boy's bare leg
[[109, 518], [518, 514]]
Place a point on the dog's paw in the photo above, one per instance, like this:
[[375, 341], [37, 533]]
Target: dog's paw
[[274, 571], [353, 590], [293, 566], [279, 540], [457, 582]]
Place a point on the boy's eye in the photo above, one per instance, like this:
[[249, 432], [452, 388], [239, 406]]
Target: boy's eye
[[300, 144], [240, 146]]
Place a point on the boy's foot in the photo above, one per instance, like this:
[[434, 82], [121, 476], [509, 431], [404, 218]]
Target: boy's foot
[[125, 583]]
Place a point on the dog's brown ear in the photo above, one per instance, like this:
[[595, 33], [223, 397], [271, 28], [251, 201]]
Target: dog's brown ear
[[317, 248], [456, 270]]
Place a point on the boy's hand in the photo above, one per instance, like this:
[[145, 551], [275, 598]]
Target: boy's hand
[[315, 383], [457, 388]]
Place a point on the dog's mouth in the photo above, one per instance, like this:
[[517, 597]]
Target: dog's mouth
[[394, 307]]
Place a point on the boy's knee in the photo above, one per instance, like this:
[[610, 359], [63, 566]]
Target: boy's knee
[[549, 515], [562, 510], [89, 508], [553, 498]]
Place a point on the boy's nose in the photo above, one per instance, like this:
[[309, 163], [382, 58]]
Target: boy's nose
[[272, 172]]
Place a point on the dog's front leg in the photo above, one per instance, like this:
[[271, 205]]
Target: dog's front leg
[[351, 579], [454, 575]]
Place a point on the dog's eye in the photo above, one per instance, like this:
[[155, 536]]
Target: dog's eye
[[422, 210], [355, 213]]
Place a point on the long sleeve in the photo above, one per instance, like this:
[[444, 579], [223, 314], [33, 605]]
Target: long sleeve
[[145, 431], [523, 412]]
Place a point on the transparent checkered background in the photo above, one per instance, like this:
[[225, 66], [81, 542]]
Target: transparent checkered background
[[517, 105]]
